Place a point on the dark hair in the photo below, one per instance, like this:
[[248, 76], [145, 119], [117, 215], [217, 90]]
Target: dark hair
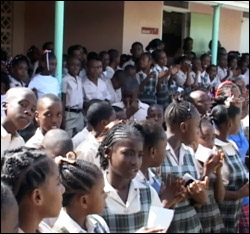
[[154, 44], [120, 75], [113, 54], [70, 57], [129, 67], [156, 54], [18, 59], [185, 42], [7, 199], [85, 51], [230, 59], [221, 114], [151, 132], [147, 54], [210, 66], [72, 48], [137, 43], [93, 56], [130, 85], [120, 132], [210, 44], [5, 80], [152, 106], [204, 56], [102, 53], [45, 45], [181, 59], [178, 112], [79, 176], [24, 169], [117, 108], [50, 96], [206, 121], [98, 112]]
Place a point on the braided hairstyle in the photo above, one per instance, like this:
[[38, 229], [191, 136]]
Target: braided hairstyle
[[79, 176], [152, 133], [25, 169], [179, 111], [119, 132]]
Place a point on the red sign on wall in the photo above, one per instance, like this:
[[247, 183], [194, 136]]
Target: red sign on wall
[[145, 30]]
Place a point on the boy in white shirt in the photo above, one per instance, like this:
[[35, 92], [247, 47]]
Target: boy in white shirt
[[135, 109], [223, 71], [94, 87], [72, 98], [48, 116], [19, 107]]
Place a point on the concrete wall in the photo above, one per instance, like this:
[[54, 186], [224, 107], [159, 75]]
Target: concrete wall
[[137, 15], [230, 25]]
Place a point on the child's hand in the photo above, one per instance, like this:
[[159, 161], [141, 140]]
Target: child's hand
[[151, 230], [217, 169], [174, 70], [152, 75], [163, 75], [197, 191], [211, 163]]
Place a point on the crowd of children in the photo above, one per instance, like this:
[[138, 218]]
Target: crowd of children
[[122, 135]]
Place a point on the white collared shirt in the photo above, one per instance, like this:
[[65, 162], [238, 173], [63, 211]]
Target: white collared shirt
[[129, 62], [44, 85], [80, 137], [222, 73], [9, 142], [140, 115], [133, 204], [109, 72], [141, 177], [116, 95], [42, 228], [92, 91], [73, 88], [181, 78], [36, 140], [229, 148], [88, 149], [179, 161], [65, 223], [16, 83], [245, 77]]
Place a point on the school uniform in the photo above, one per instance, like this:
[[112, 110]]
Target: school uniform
[[129, 217], [44, 85], [116, 94], [36, 140], [94, 224], [93, 91], [109, 72], [245, 77], [72, 87], [42, 228], [215, 83], [80, 137], [163, 96], [88, 149], [222, 73], [140, 115], [186, 219], [148, 95], [204, 79], [154, 181], [209, 213], [234, 176], [9, 142], [181, 78], [16, 83]]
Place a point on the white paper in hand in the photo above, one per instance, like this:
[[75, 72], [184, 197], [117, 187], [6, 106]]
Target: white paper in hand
[[160, 217], [203, 153]]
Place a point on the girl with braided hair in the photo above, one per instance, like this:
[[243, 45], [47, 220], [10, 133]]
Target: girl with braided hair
[[183, 120], [34, 180], [83, 200], [128, 200]]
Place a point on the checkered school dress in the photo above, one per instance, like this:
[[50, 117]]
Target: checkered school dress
[[185, 218], [130, 223], [148, 95], [230, 210], [209, 214]]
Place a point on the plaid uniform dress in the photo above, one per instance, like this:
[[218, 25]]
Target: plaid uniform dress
[[148, 95], [230, 210], [209, 213], [130, 223], [163, 97], [185, 218]]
